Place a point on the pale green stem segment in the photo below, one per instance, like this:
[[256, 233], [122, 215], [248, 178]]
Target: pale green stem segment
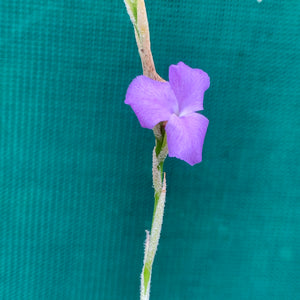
[[138, 16], [159, 183]]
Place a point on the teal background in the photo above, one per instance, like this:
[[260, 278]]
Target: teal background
[[75, 168]]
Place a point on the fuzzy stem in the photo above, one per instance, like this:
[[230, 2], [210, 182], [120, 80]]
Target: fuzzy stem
[[138, 15], [159, 182]]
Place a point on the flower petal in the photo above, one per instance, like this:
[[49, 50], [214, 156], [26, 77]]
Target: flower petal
[[152, 101], [185, 137], [189, 86]]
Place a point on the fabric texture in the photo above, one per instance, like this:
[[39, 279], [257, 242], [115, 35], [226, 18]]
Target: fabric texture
[[75, 168]]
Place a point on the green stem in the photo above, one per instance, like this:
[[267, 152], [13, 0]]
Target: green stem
[[161, 144], [159, 183]]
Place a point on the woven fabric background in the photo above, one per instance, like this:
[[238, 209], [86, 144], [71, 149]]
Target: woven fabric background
[[75, 168]]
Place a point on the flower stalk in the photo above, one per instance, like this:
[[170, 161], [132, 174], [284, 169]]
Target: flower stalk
[[169, 108], [138, 15]]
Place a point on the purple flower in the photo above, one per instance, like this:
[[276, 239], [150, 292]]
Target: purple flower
[[176, 102]]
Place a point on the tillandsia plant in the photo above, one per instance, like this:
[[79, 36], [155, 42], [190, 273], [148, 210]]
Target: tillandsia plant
[[170, 110]]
